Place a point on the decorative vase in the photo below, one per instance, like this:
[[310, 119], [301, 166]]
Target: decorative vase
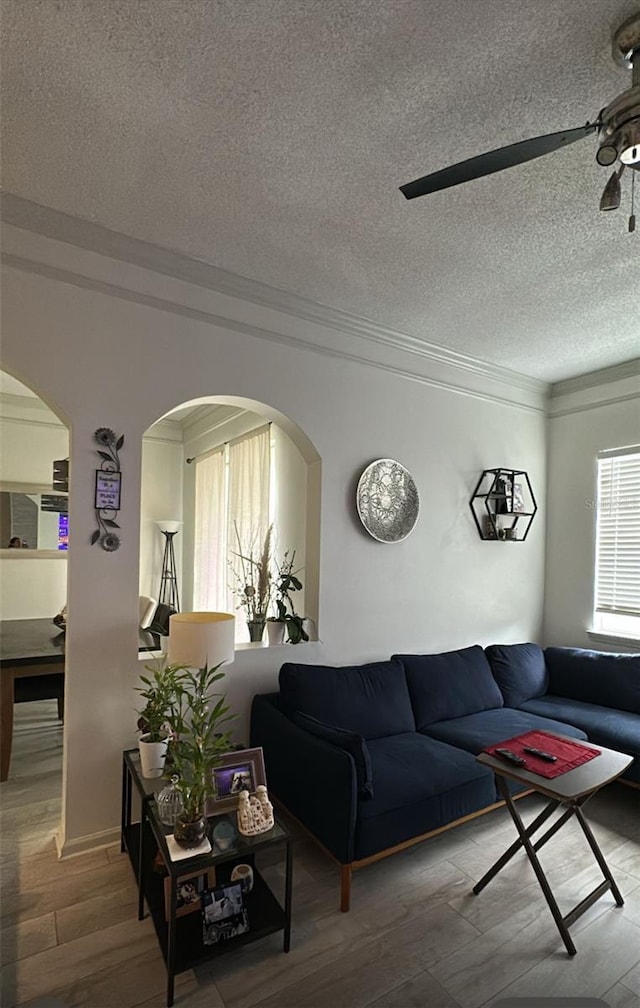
[[275, 632], [256, 630], [189, 832], [152, 756]]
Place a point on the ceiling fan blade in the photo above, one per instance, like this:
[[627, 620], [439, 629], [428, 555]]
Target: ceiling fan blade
[[494, 161]]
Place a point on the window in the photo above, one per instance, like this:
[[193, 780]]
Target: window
[[617, 583], [232, 493]]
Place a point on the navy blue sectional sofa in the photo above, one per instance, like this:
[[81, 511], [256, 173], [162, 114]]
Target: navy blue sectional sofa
[[373, 758]]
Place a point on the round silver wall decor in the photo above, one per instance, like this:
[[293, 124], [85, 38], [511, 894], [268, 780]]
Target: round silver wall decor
[[387, 501]]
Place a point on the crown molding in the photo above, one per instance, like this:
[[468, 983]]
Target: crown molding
[[12, 400], [509, 398], [49, 424], [54, 224], [595, 404], [208, 419], [628, 369]]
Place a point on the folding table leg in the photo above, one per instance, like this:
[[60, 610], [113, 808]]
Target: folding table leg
[[537, 867]]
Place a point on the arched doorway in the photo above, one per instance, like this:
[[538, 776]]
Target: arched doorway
[[195, 452], [33, 588]]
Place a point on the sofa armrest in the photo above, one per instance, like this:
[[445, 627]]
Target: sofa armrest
[[314, 780]]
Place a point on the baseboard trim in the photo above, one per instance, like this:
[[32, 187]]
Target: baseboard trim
[[81, 845]]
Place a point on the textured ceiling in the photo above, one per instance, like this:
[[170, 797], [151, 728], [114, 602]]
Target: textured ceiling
[[269, 138]]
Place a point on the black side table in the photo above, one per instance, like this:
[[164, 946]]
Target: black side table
[[180, 937]]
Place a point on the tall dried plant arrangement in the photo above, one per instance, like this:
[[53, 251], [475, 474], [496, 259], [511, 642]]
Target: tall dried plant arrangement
[[252, 575]]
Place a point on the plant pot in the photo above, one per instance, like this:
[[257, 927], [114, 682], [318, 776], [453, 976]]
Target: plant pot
[[275, 632], [152, 756], [189, 832], [256, 630]]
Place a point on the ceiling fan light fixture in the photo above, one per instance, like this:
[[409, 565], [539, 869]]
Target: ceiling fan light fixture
[[630, 143], [607, 153], [610, 199]]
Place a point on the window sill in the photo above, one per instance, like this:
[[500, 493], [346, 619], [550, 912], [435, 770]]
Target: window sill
[[151, 654], [605, 637], [265, 646]]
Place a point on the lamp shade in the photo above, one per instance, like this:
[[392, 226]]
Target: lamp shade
[[169, 525], [197, 639]]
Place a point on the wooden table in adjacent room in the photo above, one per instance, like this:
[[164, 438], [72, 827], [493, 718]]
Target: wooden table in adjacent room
[[570, 790], [32, 668]]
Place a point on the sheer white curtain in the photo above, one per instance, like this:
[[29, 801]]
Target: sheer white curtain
[[232, 490], [248, 499], [210, 592]]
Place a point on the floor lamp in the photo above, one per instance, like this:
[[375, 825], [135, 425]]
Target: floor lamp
[[168, 594]]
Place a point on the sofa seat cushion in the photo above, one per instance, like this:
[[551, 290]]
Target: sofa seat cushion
[[450, 685], [351, 742], [618, 730], [597, 677], [519, 670], [477, 731], [369, 700], [420, 784]]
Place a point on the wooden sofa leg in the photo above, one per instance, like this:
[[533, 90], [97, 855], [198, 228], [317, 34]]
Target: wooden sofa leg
[[345, 890]]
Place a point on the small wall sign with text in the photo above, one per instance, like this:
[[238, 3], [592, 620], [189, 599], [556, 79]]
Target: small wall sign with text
[[107, 489]]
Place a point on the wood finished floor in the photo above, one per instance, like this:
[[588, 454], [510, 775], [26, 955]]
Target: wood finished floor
[[415, 938]]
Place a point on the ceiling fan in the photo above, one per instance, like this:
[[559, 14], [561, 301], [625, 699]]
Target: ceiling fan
[[618, 127]]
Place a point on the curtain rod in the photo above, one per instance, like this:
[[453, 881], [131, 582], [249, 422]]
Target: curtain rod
[[243, 437]]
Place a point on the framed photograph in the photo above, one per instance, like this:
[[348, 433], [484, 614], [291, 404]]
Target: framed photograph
[[190, 890], [242, 770], [223, 914], [518, 499], [108, 486]]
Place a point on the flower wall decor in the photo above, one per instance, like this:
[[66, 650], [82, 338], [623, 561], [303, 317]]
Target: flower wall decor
[[108, 486]]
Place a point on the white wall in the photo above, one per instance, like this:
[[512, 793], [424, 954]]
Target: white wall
[[440, 589], [291, 509], [32, 587], [161, 495], [583, 421]]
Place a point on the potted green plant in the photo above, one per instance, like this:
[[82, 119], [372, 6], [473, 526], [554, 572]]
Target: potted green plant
[[252, 574], [196, 717], [158, 692], [286, 582]]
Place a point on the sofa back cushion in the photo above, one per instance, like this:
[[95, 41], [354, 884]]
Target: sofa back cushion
[[611, 680], [350, 741], [450, 685], [519, 670], [370, 700]]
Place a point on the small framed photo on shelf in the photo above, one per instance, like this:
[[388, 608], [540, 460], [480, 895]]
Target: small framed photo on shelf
[[190, 890], [242, 770], [223, 914], [518, 499]]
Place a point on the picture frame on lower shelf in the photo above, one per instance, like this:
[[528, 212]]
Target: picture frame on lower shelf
[[518, 499], [224, 914], [241, 770], [190, 890]]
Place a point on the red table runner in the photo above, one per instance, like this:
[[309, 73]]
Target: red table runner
[[570, 754]]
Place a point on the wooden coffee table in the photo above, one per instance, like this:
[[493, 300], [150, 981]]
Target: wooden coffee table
[[570, 791]]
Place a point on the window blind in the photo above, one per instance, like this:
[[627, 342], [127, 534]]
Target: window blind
[[618, 532]]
